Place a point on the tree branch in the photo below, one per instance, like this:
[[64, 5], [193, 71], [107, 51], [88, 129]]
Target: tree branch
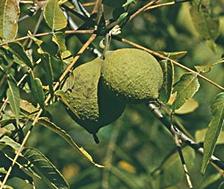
[[167, 58], [67, 71], [174, 130]]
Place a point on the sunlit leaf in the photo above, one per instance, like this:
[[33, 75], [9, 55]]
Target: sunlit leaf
[[200, 136], [188, 107], [27, 106], [45, 122], [9, 14], [45, 169], [128, 2], [214, 129], [185, 89], [14, 98], [54, 16], [59, 39], [7, 141]]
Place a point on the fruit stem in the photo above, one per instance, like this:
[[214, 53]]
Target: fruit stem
[[96, 139]]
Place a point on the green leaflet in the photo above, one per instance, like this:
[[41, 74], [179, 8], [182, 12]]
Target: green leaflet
[[37, 91], [168, 80], [43, 167], [214, 129], [54, 16], [6, 141], [128, 2], [45, 122], [19, 51], [14, 98], [9, 14], [185, 89]]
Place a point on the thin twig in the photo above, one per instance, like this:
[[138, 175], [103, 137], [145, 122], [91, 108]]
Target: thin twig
[[188, 141], [88, 4], [74, 26], [97, 6], [67, 70], [30, 41], [178, 142], [47, 33], [142, 9], [160, 5], [173, 61]]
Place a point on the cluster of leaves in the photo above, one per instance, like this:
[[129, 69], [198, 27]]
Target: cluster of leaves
[[36, 50]]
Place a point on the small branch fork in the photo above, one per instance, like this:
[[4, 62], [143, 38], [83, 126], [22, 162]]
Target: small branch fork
[[181, 136], [178, 143]]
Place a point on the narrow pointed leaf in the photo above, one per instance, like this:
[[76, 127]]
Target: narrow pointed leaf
[[19, 51], [14, 98], [9, 14], [54, 16], [185, 89], [45, 169], [37, 91], [45, 122], [168, 73], [6, 141], [46, 60], [214, 129]]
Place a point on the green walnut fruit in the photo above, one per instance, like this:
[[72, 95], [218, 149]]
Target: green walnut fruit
[[132, 74], [87, 101]]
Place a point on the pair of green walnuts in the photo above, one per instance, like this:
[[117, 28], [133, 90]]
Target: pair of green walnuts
[[96, 93]]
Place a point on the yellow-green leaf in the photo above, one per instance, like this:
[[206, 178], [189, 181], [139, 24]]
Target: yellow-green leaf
[[214, 129], [54, 16], [9, 14], [188, 107], [14, 98], [185, 89], [45, 122]]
